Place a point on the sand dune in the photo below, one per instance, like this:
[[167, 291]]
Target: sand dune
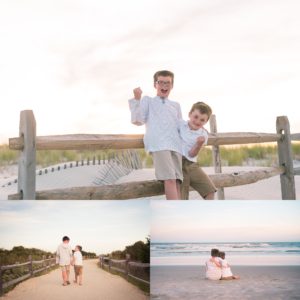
[[97, 284]]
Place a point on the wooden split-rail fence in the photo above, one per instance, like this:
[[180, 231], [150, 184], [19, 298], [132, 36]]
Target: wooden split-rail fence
[[28, 143], [136, 270], [30, 268]]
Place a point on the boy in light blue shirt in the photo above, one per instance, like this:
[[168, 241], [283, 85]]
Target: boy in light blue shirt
[[161, 116]]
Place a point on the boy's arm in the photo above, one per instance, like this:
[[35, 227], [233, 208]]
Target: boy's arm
[[217, 263], [196, 148], [139, 108]]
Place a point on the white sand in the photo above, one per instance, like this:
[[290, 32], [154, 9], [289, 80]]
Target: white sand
[[267, 189], [259, 283], [97, 284], [76, 176]]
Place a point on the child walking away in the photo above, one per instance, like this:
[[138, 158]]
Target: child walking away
[[63, 258], [78, 265], [161, 116], [194, 136], [226, 271]]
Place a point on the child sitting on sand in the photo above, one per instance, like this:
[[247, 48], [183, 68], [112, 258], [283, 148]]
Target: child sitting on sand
[[226, 271], [213, 266], [77, 262], [194, 136]]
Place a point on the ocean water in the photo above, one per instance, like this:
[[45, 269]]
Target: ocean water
[[246, 253]]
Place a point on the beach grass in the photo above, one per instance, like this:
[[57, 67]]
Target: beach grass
[[254, 155]]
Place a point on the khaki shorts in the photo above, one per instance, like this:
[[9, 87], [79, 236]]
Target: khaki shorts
[[167, 164], [195, 177], [65, 268], [78, 270]]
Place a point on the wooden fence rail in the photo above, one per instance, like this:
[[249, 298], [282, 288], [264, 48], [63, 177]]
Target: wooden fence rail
[[126, 267], [46, 264], [133, 190], [28, 143]]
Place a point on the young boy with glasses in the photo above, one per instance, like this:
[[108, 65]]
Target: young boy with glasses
[[161, 117]]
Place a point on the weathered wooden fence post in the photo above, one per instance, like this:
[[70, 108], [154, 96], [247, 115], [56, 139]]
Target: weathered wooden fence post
[[216, 155], [1, 284], [127, 265], [30, 266], [44, 262], [285, 156], [27, 160]]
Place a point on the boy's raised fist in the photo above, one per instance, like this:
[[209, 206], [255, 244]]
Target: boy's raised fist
[[137, 92]]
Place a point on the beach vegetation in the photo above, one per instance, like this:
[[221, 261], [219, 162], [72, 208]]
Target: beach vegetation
[[19, 255], [244, 155]]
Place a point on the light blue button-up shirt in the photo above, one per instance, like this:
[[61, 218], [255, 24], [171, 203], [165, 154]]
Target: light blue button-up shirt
[[161, 117]]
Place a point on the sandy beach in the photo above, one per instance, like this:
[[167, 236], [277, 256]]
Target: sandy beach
[[257, 282], [97, 284], [268, 189]]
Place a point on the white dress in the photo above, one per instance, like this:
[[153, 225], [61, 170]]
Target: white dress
[[226, 271], [212, 271]]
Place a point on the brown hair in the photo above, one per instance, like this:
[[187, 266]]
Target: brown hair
[[203, 108], [222, 254], [79, 247], [164, 73], [214, 252]]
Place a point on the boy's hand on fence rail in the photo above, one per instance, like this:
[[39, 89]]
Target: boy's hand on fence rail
[[137, 92]]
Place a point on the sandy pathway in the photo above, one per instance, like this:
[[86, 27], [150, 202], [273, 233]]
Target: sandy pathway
[[97, 284]]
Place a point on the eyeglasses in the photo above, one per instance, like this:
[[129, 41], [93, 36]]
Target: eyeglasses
[[161, 83]]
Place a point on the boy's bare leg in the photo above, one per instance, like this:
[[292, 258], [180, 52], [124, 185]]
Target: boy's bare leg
[[210, 196], [178, 188], [75, 281], [171, 189], [80, 279], [64, 276], [68, 275]]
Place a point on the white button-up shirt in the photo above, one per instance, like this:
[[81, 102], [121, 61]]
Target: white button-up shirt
[[189, 138], [161, 117]]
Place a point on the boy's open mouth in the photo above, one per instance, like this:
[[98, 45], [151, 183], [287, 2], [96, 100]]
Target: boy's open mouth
[[164, 91]]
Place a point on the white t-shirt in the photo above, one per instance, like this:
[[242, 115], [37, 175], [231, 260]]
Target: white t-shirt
[[77, 258], [212, 271], [226, 271], [189, 138]]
